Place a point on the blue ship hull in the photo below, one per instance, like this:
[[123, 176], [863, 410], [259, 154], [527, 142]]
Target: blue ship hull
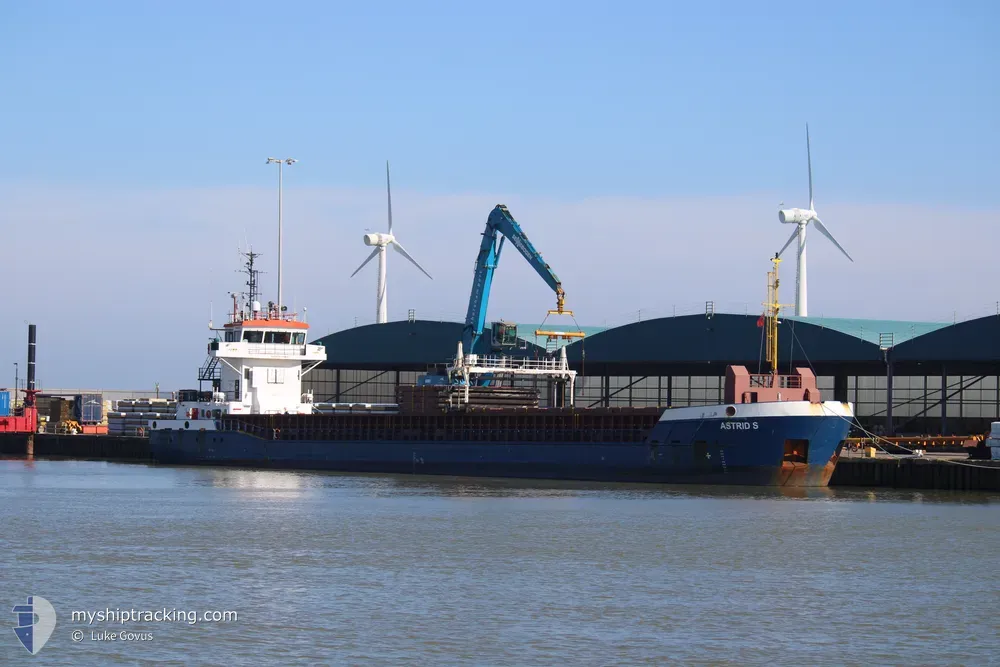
[[782, 450]]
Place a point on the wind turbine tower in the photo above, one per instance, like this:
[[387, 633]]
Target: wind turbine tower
[[381, 242], [801, 219]]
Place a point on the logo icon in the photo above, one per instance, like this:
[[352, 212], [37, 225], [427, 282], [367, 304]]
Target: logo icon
[[35, 623]]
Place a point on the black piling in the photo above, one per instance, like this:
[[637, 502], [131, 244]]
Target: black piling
[[29, 395], [31, 357]]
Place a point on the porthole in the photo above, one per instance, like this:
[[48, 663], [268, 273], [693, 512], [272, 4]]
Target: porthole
[[730, 411], [187, 424]]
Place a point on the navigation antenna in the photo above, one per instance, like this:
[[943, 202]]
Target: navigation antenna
[[253, 281], [772, 308]]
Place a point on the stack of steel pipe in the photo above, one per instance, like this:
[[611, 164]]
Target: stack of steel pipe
[[424, 399], [131, 416]]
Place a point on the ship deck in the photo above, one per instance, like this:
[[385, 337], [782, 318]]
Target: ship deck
[[498, 425]]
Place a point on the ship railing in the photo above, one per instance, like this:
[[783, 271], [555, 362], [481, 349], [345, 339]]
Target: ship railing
[[790, 381], [766, 380], [264, 314], [210, 371], [285, 350], [515, 363]]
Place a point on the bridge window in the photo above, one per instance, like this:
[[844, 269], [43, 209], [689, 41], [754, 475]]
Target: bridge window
[[299, 338], [279, 337], [253, 336]]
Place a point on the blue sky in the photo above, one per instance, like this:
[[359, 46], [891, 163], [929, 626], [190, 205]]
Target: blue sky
[[679, 125], [544, 98]]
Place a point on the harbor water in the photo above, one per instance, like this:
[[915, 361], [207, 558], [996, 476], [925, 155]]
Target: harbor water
[[379, 569]]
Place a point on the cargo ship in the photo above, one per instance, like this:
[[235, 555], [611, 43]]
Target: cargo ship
[[472, 419]]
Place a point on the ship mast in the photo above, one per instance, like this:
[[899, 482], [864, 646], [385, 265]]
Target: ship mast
[[772, 307], [253, 282]]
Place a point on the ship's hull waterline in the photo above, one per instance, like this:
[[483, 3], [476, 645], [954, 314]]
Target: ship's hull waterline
[[783, 444]]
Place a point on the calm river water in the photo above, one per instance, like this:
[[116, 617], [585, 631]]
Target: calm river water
[[349, 569]]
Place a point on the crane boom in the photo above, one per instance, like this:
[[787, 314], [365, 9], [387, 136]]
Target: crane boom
[[500, 225]]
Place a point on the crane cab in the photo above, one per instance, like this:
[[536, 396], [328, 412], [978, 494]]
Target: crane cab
[[504, 335]]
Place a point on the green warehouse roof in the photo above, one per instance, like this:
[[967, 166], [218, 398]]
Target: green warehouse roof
[[697, 344]]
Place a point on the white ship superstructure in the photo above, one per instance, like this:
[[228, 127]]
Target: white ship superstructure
[[260, 365], [255, 365]]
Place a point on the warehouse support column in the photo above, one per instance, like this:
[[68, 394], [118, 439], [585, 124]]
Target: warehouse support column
[[961, 404], [337, 398], [606, 381], [944, 401], [888, 394], [670, 390], [925, 402], [840, 388]]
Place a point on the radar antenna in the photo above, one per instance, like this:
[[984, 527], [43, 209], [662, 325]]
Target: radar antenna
[[253, 282]]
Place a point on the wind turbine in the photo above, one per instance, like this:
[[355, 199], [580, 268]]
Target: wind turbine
[[801, 218], [381, 242]]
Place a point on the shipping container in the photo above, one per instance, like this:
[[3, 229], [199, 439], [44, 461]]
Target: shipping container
[[60, 409], [88, 408], [4, 404]]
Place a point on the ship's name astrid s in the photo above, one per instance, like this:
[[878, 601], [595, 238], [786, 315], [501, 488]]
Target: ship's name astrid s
[[738, 426]]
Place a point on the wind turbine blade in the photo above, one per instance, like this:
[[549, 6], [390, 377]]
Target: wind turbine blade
[[795, 232], [370, 258], [388, 192], [826, 232], [809, 160], [401, 251]]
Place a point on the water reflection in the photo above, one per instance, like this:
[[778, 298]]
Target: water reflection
[[255, 479], [294, 484], [378, 484], [497, 487]]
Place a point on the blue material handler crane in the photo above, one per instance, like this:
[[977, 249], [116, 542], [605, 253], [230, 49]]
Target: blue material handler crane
[[501, 226]]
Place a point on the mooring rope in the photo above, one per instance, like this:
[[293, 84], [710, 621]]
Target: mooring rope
[[875, 438]]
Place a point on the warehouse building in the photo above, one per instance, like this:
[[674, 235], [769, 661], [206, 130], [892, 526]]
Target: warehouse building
[[903, 377]]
